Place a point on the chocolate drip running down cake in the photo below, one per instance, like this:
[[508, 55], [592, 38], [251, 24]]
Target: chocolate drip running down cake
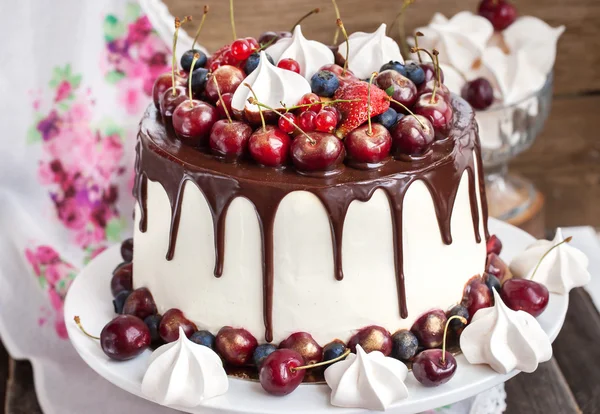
[[278, 252]]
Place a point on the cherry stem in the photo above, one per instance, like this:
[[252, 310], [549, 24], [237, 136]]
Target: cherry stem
[[567, 240], [266, 45], [300, 20], [417, 35], [370, 130], [196, 57], [262, 117], [437, 83], [338, 17], [463, 320], [407, 110], [232, 18], [329, 103], [80, 326], [323, 363], [221, 99], [178, 24], [254, 101], [200, 27], [341, 26]]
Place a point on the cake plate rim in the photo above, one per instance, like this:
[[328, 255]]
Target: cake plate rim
[[89, 297]]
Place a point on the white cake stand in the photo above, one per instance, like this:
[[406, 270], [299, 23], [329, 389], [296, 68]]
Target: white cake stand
[[90, 298]]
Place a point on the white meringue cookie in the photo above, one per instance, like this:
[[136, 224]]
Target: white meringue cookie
[[184, 373], [453, 79], [272, 85], [561, 270], [371, 381], [505, 339], [369, 51], [310, 54]]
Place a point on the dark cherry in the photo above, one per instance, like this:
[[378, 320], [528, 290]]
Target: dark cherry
[[319, 151], [476, 296], [479, 93], [153, 324], [494, 245], [122, 279], [229, 140], [305, 345], [429, 328], [398, 87], [169, 101], [125, 337], [235, 345], [161, 84], [193, 121], [411, 137], [228, 77], [500, 13], [171, 321], [268, 37], [338, 70], [437, 110], [364, 148], [276, 373], [270, 146], [372, 338], [430, 370], [127, 250], [525, 295], [427, 87], [497, 267], [119, 301], [430, 72], [227, 97], [140, 303]]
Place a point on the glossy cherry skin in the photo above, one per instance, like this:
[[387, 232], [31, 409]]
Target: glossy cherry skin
[[193, 122], [319, 151], [305, 345], [430, 73], [140, 303], [365, 148], [429, 328], [476, 296], [161, 84], [437, 110], [494, 245], [228, 77], [276, 375], [500, 13], [427, 87], [398, 87], [169, 101], [372, 338], [310, 98], [227, 100], [289, 64], [229, 139], [306, 121], [125, 337], [235, 345], [270, 146], [122, 279], [429, 369], [127, 250], [478, 93], [409, 137], [347, 76], [496, 266], [171, 321], [525, 295]]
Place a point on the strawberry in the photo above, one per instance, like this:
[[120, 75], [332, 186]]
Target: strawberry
[[356, 113]]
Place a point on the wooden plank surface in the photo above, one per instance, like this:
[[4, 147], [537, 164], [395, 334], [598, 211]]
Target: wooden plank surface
[[20, 395], [4, 361]]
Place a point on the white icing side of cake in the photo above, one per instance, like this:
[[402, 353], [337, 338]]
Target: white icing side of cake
[[306, 295]]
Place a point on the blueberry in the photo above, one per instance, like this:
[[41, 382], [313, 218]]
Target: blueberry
[[387, 119], [492, 282], [119, 301], [261, 352], [392, 65], [199, 77], [324, 83], [404, 345], [399, 117], [188, 57], [415, 73], [252, 62], [203, 338], [152, 322], [333, 350], [459, 310]]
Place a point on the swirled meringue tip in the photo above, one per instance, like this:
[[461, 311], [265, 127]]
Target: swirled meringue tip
[[310, 54], [272, 85], [369, 51], [560, 270], [371, 381], [184, 373], [505, 339]]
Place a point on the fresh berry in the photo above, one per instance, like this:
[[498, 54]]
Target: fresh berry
[[153, 324], [476, 296], [204, 338], [415, 73], [333, 350], [253, 61], [366, 148], [479, 93], [437, 110], [430, 85], [431, 370], [276, 373], [287, 122], [193, 121], [125, 337], [500, 13], [430, 71], [119, 301], [188, 57], [324, 83], [429, 328], [325, 121], [318, 151], [305, 345], [171, 321], [122, 279], [492, 282], [228, 59], [161, 84], [312, 101], [337, 70], [268, 37], [170, 101], [241, 49], [372, 338], [289, 64], [398, 87], [236, 345], [284, 34], [261, 353], [227, 97], [494, 245], [525, 295], [393, 65], [497, 267], [270, 146], [387, 119], [412, 135], [333, 110], [306, 121], [356, 112], [228, 77], [404, 345], [199, 78], [140, 303], [127, 250], [229, 140], [400, 116], [253, 43], [457, 325]]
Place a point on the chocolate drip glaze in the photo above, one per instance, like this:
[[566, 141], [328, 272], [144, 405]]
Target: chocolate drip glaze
[[162, 158]]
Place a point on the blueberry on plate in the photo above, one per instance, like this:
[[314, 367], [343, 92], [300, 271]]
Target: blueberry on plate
[[415, 73], [388, 118], [404, 345], [252, 62], [333, 350], [119, 301], [492, 282], [153, 322], [261, 352], [324, 83], [393, 65], [455, 324], [188, 57], [203, 338]]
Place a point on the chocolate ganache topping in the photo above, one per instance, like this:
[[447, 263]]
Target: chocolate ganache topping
[[164, 159]]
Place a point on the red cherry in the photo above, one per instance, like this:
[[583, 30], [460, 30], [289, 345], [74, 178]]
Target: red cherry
[[241, 49], [438, 111], [122, 279], [427, 87], [192, 122], [140, 303], [318, 151], [305, 345], [476, 296], [170, 101], [372, 338], [270, 147], [287, 122], [127, 250], [429, 328], [253, 43], [235, 345], [400, 88], [228, 77], [500, 13], [289, 64], [333, 110], [276, 374], [496, 266], [161, 84], [171, 321], [525, 295], [348, 76], [229, 59], [310, 98], [429, 368], [325, 121], [365, 148], [227, 99], [410, 137], [125, 337], [430, 72], [229, 139], [494, 245], [214, 65], [306, 121], [479, 93]]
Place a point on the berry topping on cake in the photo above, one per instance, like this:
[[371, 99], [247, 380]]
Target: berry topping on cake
[[404, 345], [277, 374], [140, 303], [236, 345], [501, 13], [372, 338], [305, 345], [317, 152], [203, 338], [171, 321], [356, 111], [400, 88], [429, 328]]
